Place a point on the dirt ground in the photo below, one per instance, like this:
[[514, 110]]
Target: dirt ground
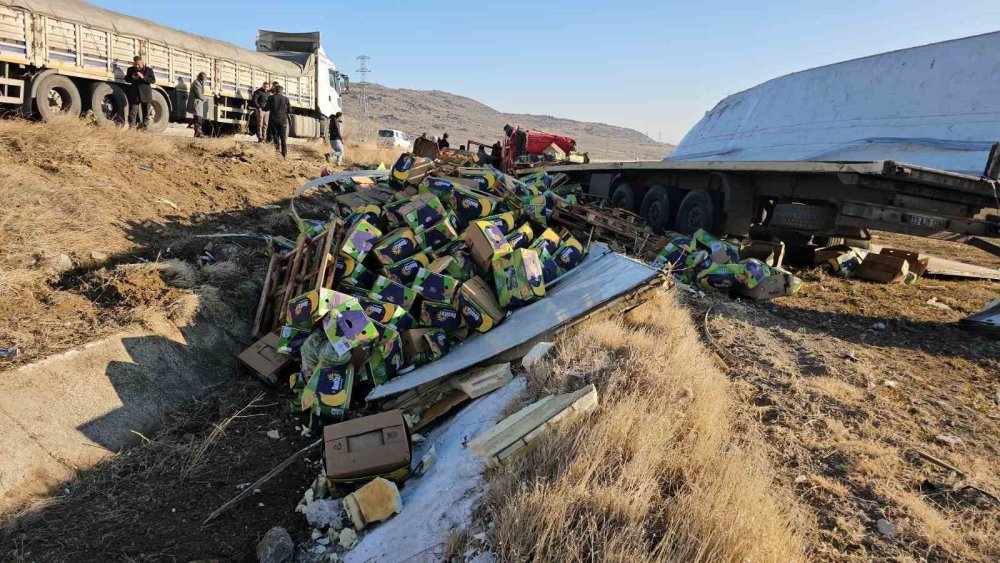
[[856, 385]]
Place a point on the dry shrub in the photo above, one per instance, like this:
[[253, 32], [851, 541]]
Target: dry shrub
[[656, 473], [371, 154]]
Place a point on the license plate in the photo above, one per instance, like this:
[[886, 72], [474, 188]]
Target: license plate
[[925, 221]]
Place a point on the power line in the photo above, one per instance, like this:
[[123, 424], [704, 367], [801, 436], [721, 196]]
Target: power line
[[365, 72]]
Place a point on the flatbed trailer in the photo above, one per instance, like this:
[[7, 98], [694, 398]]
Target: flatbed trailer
[[798, 198]]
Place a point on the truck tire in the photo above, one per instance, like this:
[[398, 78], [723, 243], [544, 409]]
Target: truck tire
[[656, 209], [57, 95], [696, 211], [159, 113], [109, 104], [623, 197], [802, 217]]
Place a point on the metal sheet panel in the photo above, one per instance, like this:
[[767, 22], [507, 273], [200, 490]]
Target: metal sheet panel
[[600, 277]]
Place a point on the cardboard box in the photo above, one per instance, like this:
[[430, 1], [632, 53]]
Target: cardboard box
[[478, 305], [485, 178], [770, 253], [380, 311], [916, 263], [518, 278], [548, 241], [518, 239], [480, 381], [361, 277], [263, 359], [371, 212], [434, 286], [439, 234], [405, 271], [359, 240], [328, 392], [778, 284], [486, 242], [443, 187], [347, 326], [503, 221], [470, 203], [396, 246], [422, 211], [440, 315], [306, 309], [393, 292], [883, 268], [290, 339], [458, 266], [421, 345], [368, 446], [409, 170]]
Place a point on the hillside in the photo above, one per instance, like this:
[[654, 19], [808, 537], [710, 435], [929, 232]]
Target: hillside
[[434, 111]]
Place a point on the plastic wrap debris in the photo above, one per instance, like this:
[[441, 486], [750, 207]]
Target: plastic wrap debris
[[986, 322]]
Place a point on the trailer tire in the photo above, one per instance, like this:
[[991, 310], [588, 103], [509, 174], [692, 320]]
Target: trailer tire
[[109, 104], [57, 95], [696, 211], [623, 197], [656, 209], [802, 217], [159, 111]]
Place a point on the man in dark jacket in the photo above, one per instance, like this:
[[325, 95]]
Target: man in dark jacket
[[336, 138], [259, 101], [196, 103], [443, 142], [141, 78], [280, 107]]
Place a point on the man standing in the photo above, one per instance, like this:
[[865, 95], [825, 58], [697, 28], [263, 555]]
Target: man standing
[[140, 96], [443, 142], [259, 101], [336, 138], [196, 103], [280, 107]]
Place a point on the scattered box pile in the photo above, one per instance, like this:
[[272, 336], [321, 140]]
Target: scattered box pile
[[728, 265]]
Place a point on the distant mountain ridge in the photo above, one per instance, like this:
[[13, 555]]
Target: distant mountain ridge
[[434, 112]]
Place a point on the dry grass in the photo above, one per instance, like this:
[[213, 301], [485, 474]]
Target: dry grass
[[371, 154], [656, 473]]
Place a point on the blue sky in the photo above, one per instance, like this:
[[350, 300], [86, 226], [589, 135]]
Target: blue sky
[[655, 66]]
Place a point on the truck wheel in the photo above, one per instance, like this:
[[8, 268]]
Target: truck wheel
[[57, 95], [623, 197], [159, 113], [655, 208], [802, 217], [696, 211], [109, 104]]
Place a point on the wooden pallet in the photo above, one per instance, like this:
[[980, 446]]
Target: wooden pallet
[[311, 265], [615, 226]]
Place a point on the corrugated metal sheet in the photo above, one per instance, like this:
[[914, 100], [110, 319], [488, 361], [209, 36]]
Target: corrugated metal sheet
[[602, 276]]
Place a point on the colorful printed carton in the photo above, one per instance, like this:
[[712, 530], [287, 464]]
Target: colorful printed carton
[[439, 234], [405, 271], [306, 309], [478, 306], [440, 315], [393, 292], [347, 326], [518, 278], [470, 203], [434, 286], [396, 246], [422, 211], [360, 239]]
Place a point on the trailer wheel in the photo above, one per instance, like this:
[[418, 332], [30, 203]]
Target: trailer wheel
[[656, 209], [696, 211], [57, 95], [109, 104], [623, 197], [159, 113]]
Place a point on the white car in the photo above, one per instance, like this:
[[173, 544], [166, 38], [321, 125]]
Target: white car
[[393, 138]]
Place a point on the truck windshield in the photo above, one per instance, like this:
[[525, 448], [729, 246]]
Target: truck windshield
[[335, 81]]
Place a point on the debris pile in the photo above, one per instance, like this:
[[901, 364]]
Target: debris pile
[[410, 263], [711, 263]]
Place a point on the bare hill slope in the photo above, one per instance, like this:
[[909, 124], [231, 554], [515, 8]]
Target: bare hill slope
[[434, 111]]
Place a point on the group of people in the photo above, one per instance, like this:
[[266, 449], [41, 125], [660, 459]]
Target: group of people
[[272, 109], [495, 156]]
